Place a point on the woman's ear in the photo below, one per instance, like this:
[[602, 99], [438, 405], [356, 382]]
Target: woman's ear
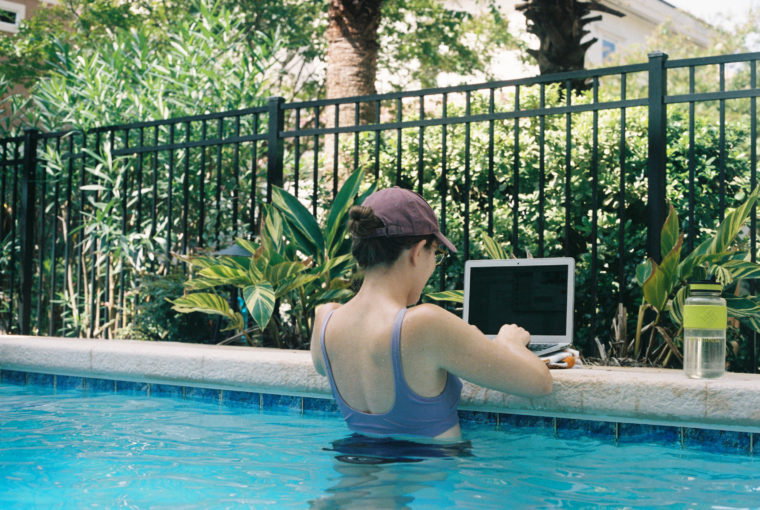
[[415, 252]]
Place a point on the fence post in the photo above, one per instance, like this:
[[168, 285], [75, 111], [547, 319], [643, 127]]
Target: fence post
[[26, 227], [656, 165], [275, 147]]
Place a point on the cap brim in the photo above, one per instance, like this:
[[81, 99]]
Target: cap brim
[[448, 244]]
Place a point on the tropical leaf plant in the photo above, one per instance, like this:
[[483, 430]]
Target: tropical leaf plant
[[664, 285], [294, 262], [494, 251]]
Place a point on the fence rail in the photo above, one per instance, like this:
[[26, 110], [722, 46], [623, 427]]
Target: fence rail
[[528, 161]]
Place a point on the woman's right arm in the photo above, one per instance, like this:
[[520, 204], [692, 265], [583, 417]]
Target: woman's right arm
[[504, 364]]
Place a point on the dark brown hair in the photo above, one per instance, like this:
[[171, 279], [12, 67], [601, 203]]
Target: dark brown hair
[[371, 251]]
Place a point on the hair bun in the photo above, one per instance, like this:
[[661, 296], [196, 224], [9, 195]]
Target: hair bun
[[362, 221]]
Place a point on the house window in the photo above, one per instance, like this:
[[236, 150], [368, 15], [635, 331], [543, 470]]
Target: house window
[[11, 15]]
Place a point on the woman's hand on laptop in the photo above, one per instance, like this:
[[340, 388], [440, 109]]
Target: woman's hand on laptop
[[510, 334]]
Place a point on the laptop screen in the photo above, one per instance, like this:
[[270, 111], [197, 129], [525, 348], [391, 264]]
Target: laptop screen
[[532, 293]]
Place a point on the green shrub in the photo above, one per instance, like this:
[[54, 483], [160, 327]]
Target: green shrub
[[154, 318]]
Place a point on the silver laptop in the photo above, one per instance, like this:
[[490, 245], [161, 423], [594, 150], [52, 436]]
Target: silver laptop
[[536, 294]]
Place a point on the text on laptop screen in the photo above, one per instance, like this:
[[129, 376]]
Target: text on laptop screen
[[534, 298]]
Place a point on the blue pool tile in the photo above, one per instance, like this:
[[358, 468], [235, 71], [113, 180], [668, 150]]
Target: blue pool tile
[[203, 394], [478, 418], [41, 379], [568, 428], [69, 382], [723, 441], [643, 433], [282, 402], [320, 406], [166, 390], [536, 423], [241, 399], [93, 385], [132, 388], [14, 377]]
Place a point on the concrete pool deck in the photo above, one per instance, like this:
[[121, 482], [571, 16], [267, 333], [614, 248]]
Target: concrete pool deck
[[606, 394]]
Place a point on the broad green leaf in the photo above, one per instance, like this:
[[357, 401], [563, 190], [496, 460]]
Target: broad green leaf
[[676, 306], [742, 269], [643, 271], [278, 273], [272, 233], [247, 245], [732, 224], [669, 235], [225, 275], [655, 288], [259, 299], [300, 219], [721, 275], [261, 265], [343, 201], [255, 271], [455, 296], [299, 241], [335, 263], [339, 283], [298, 282], [201, 284], [723, 237], [339, 295], [746, 309], [748, 306], [208, 303], [493, 249], [363, 196], [198, 260], [337, 245], [669, 264]]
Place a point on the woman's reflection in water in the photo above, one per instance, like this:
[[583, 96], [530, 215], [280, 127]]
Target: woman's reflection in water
[[385, 472]]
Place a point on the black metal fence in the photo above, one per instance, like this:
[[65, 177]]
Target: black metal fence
[[542, 169]]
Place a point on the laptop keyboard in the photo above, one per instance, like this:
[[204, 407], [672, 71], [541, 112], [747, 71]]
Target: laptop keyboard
[[540, 347]]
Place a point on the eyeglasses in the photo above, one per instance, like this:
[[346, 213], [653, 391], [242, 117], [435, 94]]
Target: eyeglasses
[[440, 255]]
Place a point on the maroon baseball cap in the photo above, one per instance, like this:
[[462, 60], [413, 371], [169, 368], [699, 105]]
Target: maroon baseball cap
[[404, 213]]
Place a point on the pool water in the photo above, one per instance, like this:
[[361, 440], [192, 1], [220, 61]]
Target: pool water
[[74, 450]]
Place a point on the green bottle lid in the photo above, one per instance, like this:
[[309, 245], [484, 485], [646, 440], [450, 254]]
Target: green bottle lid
[[706, 286]]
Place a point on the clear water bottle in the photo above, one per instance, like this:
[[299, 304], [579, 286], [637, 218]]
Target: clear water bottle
[[704, 320]]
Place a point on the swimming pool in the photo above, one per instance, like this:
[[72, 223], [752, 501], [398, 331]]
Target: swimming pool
[[65, 448]]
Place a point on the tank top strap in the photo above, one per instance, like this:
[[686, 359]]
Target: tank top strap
[[398, 372]]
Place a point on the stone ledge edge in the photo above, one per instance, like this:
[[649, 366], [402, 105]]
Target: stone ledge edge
[[632, 395]]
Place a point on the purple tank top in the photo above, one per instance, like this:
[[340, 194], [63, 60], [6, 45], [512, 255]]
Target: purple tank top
[[411, 413]]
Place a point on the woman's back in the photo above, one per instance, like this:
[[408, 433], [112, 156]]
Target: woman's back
[[382, 383], [391, 381]]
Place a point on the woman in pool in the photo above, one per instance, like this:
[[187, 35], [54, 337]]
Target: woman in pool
[[394, 371]]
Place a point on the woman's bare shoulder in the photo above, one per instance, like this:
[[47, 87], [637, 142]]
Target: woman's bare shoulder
[[432, 321], [321, 310], [427, 311]]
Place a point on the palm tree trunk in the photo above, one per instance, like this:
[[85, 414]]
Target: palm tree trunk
[[352, 54], [560, 26]]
